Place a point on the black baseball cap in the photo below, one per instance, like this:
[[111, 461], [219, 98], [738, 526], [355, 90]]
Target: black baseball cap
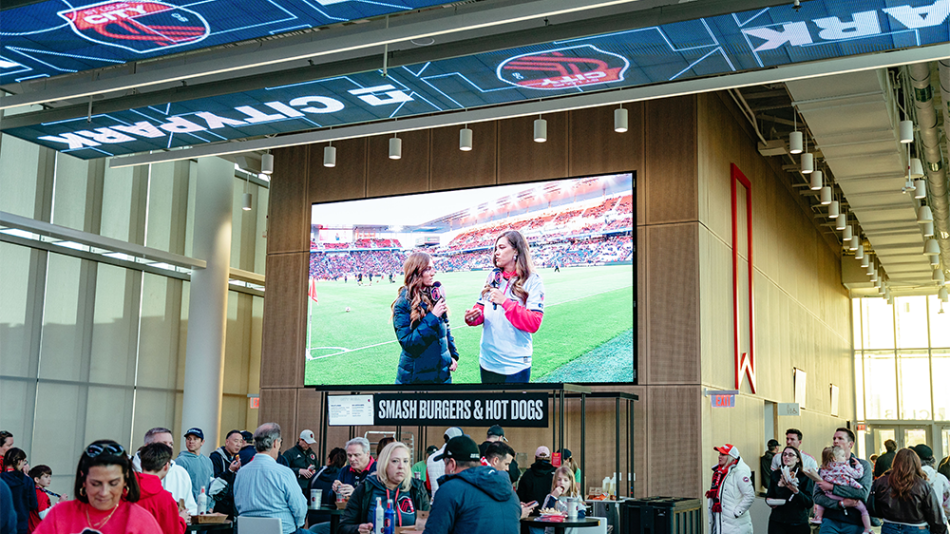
[[461, 448], [431, 449], [923, 451], [565, 454], [773, 443], [496, 430], [248, 437], [195, 432]]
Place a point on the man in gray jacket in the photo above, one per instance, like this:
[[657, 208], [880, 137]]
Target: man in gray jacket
[[840, 517]]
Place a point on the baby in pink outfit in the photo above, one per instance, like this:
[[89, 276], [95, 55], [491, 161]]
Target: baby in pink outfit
[[836, 469]]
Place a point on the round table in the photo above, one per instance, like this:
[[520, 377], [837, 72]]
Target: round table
[[559, 527]]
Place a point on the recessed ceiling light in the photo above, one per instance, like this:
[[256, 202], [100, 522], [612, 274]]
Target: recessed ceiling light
[[423, 41]]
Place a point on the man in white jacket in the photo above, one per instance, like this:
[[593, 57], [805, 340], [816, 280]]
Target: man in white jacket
[[177, 481], [938, 482], [731, 494]]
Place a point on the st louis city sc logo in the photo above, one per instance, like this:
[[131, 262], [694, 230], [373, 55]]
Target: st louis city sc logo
[[139, 26], [562, 68]]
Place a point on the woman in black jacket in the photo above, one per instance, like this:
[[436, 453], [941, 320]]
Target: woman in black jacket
[[790, 496], [21, 486], [905, 500], [393, 481]]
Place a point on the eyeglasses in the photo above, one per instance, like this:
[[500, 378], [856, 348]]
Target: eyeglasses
[[429, 270], [790, 454], [108, 449]]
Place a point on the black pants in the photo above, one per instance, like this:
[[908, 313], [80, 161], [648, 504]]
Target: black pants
[[778, 527]]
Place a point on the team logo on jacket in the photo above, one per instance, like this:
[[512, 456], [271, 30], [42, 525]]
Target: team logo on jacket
[[562, 68], [139, 26], [405, 506]]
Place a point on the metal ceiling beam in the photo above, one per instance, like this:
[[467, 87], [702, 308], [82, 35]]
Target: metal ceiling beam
[[701, 85]]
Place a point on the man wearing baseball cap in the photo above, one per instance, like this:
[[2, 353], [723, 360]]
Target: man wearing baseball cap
[[199, 466], [535, 483], [731, 494], [938, 482], [495, 433], [472, 497], [436, 468], [303, 460]]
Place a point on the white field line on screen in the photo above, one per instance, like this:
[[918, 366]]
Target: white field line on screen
[[346, 351]]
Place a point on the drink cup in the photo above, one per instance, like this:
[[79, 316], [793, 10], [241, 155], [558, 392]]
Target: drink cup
[[316, 498]]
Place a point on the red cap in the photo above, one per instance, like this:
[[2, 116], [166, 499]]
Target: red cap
[[731, 450]]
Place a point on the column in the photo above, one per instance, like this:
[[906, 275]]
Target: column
[[207, 306]]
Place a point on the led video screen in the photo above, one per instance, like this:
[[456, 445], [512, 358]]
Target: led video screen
[[524, 283]]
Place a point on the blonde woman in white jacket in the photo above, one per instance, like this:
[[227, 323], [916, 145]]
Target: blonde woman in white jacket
[[731, 494]]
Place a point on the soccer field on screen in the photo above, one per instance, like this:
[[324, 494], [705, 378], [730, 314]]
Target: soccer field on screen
[[586, 335]]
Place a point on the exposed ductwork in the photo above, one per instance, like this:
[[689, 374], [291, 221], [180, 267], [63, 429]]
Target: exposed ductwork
[[926, 114]]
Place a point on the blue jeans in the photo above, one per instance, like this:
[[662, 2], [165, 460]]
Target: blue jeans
[[489, 377], [891, 528], [830, 526]]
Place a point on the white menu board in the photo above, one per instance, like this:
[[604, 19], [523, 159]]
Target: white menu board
[[350, 410]]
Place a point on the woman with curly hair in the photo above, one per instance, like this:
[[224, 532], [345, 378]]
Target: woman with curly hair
[[905, 500], [511, 308], [421, 322]]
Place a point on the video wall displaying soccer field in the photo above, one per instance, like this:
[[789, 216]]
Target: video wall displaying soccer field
[[581, 243]]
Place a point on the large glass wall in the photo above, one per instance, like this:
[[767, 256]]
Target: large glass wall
[[899, 351], [90, 349]]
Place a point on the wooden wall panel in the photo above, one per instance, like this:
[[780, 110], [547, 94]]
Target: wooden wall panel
[[453, 168], [673, 272], [719, 144], [280, 406], [597, 149], [308, 413], [671, 160], [520, 159], [386, 177], [643, 307], [288, 227], [674, 427], [285, 320], [347, 180]]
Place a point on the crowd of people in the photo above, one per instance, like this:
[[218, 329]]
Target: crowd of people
[[906, 493], [117, 491]]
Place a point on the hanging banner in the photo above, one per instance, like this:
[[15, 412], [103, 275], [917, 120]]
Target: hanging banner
[[459, 409]]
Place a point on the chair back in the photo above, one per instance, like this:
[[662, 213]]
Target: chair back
[[258, 525]]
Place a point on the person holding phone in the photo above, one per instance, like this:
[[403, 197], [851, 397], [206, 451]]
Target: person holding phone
[[510, 309], [421, 322]]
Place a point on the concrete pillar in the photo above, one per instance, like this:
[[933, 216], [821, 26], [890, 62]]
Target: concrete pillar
[[208, 303]]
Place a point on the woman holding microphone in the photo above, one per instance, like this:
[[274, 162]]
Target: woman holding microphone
[[511, 308], [421, 322]]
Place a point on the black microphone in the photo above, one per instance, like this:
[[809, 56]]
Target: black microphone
[[496, 282], [437, 294]]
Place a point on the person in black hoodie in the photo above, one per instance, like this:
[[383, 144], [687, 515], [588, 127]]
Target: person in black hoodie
[[323, 480], [21, 488], [536, 481], [884, 461], [472, 497]]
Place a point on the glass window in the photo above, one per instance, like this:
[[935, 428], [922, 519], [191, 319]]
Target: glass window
[[19, 270], [859, 385], [941, 368], [856, 323], [880, 389], [914, 368], [911, 322], [939, 323], [877, 324], [61, 349]]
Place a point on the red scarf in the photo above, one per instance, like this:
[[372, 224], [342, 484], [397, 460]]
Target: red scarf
[[719, 474]]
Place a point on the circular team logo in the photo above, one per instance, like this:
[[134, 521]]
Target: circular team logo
[[563, 68], [139, 26]]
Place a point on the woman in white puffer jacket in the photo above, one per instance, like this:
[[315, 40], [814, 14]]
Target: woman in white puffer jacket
[[731, 494]]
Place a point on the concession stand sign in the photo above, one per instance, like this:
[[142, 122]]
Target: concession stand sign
[[455, 409]]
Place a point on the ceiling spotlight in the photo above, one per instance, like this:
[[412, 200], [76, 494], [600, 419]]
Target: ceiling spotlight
[[909, 186], [808, 163], [943, 295], [817, 180], [329, 156], [934, 261], [928, 229], [841, 222], [247, 202], [890, 299], [834, 210], [925, 215], [620, 120], [916, 170], [870, 270], [540, 130], [865, 261], [395, 148], [795, 142], [920, 189], [267, 163], [848, 233], [874, 277], [825, 195], [855, 243], [939, 277], [907, 131], [931, 246], [465, 139], [859, 253]]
